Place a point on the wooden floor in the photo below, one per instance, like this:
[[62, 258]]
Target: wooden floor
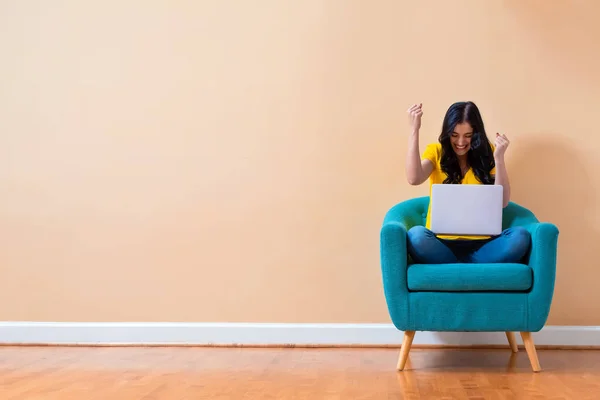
[[236, 373]]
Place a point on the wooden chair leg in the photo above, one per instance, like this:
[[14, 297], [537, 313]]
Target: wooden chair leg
[[531, 352], [512, 341], [405, 349]]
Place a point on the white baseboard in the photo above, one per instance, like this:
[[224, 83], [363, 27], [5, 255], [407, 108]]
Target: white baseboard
[[165, 333]]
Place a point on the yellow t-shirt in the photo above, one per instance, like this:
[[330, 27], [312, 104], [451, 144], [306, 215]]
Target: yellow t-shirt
[[433, 153]]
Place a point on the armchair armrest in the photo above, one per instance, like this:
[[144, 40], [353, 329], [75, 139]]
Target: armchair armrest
[[394, 256], [542, 260], [393, 267]]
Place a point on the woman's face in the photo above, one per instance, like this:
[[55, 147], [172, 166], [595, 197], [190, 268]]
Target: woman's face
[[461, 138]]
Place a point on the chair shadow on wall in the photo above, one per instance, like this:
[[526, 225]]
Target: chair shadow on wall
[[549, 178]]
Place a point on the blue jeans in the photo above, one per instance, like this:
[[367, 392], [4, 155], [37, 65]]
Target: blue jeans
[[508, 247]]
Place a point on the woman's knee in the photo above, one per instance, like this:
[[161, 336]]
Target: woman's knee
[[418, 234], [518, 233], [520, 239], [420, 237]]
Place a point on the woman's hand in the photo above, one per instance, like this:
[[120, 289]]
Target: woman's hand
[[501, 144], [414, 116]]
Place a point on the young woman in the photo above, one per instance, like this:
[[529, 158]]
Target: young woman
[[464, 155]]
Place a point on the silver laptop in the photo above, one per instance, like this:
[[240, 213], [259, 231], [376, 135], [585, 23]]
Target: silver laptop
[[466, 209]]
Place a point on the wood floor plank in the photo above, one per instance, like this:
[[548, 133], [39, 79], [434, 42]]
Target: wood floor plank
[[57, 373]]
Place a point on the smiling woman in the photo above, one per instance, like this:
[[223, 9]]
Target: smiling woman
[[465, 145], [464, 155]]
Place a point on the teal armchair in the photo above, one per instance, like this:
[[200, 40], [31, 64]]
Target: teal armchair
[[467, 297]]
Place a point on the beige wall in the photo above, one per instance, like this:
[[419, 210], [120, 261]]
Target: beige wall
[[222, 161]]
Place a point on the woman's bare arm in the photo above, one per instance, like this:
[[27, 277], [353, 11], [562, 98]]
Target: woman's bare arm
[[501, 173], [417, 170]]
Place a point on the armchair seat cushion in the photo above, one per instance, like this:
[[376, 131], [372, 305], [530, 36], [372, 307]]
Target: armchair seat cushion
[[462, 277]]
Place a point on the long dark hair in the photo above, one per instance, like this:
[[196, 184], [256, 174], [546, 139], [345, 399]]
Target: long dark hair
[[480, 156]]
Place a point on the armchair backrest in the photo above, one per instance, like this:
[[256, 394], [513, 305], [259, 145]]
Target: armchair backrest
[[413, 212]]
